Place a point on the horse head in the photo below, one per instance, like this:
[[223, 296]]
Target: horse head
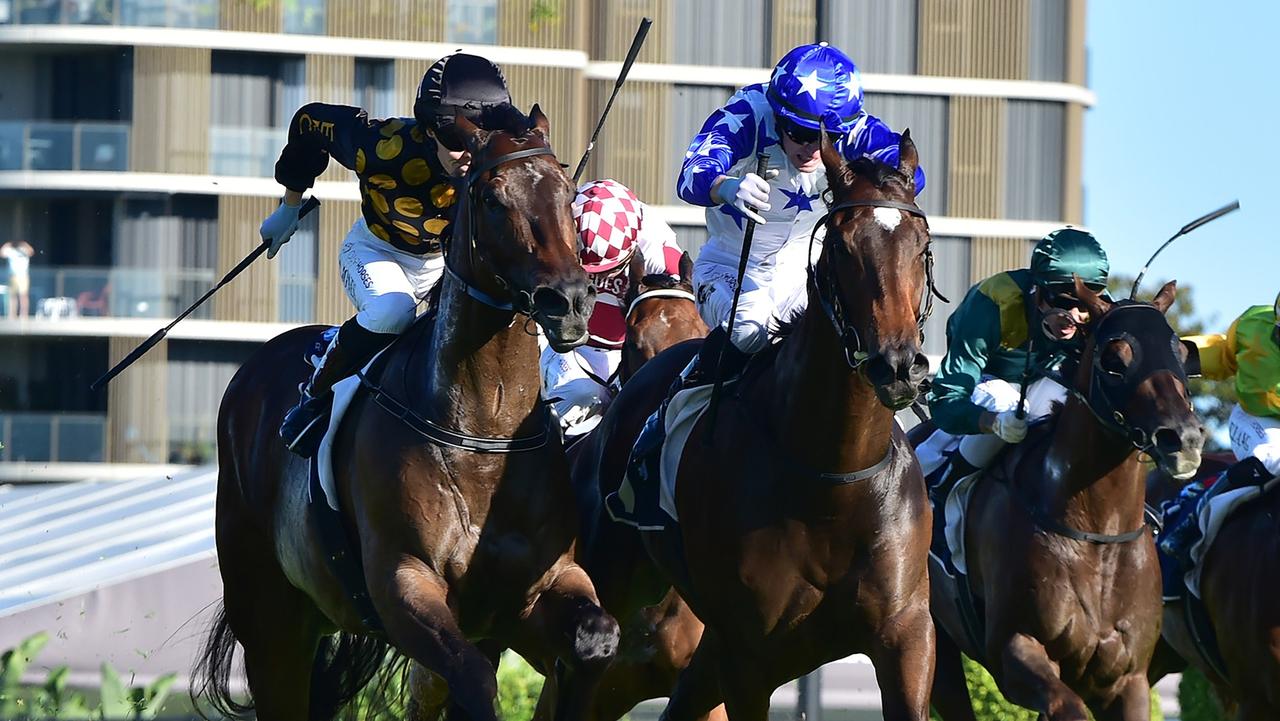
[[520, 240], [872, 276], [661, 311], [1133, 377]]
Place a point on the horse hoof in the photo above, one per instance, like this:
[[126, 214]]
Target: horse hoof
[[596, 638]]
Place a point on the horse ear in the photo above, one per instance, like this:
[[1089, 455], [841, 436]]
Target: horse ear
[[908, 158], [635, 272], [1164, 299], [468, 132], [1097, 305], [540, 122], [832, 159], [686, 268]]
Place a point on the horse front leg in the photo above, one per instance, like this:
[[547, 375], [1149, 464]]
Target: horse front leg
[[1030, 679], [411, 601], [904, 658], [567, 628], [1132, 704]]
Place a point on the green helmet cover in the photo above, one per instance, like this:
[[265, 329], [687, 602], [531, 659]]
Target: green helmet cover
[[1066, 252]]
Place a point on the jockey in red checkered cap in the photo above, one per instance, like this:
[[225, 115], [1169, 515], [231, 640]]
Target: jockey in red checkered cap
[[612, 226]]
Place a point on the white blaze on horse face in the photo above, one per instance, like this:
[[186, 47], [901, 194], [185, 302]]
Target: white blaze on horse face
[[888, 218]]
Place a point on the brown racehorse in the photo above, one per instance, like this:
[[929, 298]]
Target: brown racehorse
[[456, 544], [657, 640], [804, 525], [1058, 551], [1240, 587]]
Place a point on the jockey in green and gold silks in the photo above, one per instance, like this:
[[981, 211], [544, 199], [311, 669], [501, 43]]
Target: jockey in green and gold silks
[[974, 400]]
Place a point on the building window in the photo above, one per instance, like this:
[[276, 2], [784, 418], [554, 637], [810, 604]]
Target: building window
[[952, 274], [298, 271], [375, 87], [739, 37], [170, 13], [254, 97], [1048, 42], [928, 118], [472, 21], [880, 35], [304, 16], [1034, 163]]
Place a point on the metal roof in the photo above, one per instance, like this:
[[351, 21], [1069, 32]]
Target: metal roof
[[62, 541]]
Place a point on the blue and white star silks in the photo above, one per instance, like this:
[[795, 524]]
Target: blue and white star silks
[[744, 126], [811, 84], [798, 199]]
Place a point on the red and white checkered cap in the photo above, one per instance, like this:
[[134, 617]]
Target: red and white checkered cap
[[609, 218]]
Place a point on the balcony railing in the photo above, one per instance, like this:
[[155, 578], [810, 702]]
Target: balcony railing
[[52, 437], [245, 151], [53, 145], [153, 13], [60, 292]]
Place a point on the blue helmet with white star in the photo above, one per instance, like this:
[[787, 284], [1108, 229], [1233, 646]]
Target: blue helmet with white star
[[817, 85]]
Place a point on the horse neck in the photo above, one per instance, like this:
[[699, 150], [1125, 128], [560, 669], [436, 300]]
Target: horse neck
[[1092, 478], [482, 369], [827, 414]]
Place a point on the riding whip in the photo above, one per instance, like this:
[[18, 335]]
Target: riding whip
[[159, 335], [1202, 220], [1021, 413], [762, 162], [636, 43]]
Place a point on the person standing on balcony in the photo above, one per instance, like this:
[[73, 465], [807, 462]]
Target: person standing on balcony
[[18, 253], [393, 254]]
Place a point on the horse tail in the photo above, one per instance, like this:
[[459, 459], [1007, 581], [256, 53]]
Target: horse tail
[[211, 677], [345, 664]]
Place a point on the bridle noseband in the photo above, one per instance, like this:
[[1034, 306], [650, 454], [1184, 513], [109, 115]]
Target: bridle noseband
[[826, 286]]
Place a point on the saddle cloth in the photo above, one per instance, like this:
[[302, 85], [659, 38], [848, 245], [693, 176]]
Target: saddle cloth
[[641, 502], [1211, 520]]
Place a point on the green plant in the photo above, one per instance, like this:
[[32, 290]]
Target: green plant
[[518, 688], [543, 12], [13, 663], [1197, 698]]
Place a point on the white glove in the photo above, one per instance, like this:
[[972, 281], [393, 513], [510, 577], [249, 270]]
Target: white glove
[[749, 194], [1009, 427], [278, 228]]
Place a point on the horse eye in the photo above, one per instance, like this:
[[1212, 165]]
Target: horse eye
[[490, 198], [1113, 363]]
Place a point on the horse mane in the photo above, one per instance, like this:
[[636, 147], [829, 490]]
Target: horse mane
[[878, 173], [663, 281], [505, 118]]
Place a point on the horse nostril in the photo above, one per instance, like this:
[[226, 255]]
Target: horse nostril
[[550, 301], [1167, 440], [879, 371], [919, 368]]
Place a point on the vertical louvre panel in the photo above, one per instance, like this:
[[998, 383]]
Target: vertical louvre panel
[[691, 105], [250, 16], [1076, 72], [615, 25], [1048, 41], [420, 20], [170, 110], [880, 35], [255, 294], [336, 217], [518, 26], [1073, 157], [1034, 170], [793, 24], [558, 91], [330, 79], [137, 427], [996, 255], [951, 261], [974, 38], [927, 118], [976, 157], [637, 126], [198, 374], [408, 76], [737, 38], [297, 274]]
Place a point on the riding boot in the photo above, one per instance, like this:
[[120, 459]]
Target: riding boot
[[711, 364], [939, 485], [305, 424]]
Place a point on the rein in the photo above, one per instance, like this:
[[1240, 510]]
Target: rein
[[659, 293], [827, 286]]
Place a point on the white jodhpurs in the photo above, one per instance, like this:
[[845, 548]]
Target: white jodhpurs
[[581, 399], [998, 396], [1257, 437], [770, 292], [384, 283]]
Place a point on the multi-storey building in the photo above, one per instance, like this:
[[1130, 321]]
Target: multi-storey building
[[137, 140]]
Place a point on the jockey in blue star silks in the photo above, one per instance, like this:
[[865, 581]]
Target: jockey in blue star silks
[[812, 87]]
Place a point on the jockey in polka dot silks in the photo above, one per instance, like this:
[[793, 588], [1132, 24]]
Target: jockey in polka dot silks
[[812, 87], [406, 168], [613, 225]]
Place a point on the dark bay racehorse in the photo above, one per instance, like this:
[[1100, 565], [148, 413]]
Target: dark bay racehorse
[[1240, 587], [456, 544], [804, 525], [661, 311], [1057, 547]]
